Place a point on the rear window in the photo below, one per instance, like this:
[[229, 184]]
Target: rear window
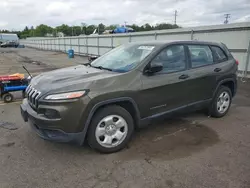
[[219, 55]]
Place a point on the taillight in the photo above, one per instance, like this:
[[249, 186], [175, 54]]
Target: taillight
[[237, 62]]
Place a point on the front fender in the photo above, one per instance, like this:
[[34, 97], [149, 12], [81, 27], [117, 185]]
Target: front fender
[[108, 102]]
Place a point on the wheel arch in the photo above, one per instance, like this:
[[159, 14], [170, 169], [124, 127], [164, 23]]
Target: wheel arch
[[126, 102], [230, 83]]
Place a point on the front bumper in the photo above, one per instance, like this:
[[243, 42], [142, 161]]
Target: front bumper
[[50, 129]]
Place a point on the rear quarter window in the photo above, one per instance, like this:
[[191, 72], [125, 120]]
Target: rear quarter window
[[219, 54]]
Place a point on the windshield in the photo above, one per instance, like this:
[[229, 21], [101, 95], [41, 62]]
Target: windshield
[[123, 58]]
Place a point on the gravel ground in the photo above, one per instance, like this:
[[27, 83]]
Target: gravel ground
[[188, 151]]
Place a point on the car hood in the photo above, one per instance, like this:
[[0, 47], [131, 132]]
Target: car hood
[[69, 78]]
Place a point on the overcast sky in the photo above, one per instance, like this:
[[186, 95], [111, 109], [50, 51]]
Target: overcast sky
[[16, 14]]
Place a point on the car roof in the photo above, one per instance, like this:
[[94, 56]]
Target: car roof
[[165, 42]]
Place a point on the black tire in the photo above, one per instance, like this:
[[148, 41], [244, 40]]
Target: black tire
[[214, 112], [7, 97], [102, 113]]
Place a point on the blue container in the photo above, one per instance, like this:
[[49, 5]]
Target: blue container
[[71, 53], [15, 88]]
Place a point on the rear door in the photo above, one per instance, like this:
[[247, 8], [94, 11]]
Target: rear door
[[166, 90], [225, 65], [223, 62], [202, 80]]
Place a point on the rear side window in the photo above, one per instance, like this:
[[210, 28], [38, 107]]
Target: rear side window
[[219, 54], [200, 55]]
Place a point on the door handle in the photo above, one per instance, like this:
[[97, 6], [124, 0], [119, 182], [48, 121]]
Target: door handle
[[184, 76], [217, 69]]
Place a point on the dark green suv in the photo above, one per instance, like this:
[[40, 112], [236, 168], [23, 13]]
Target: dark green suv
[[104, 101]]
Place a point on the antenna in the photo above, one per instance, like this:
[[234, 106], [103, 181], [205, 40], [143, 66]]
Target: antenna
[[27, 71]]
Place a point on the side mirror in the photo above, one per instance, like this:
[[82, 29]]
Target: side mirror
[[153, 68]]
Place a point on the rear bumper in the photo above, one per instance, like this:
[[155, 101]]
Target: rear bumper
[[45, 127]]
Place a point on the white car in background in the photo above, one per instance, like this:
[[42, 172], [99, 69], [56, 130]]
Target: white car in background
[[9, 40]]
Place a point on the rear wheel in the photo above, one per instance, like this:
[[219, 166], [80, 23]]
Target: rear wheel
[[221, 102], [7, 97], [111, 129]]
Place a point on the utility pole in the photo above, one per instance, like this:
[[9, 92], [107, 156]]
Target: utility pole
[[227, 16], [175, 16]]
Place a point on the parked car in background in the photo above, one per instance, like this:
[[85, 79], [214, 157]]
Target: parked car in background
[[9, 40], [104, 101]]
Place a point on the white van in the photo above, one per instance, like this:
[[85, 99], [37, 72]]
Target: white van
[[9, 40]]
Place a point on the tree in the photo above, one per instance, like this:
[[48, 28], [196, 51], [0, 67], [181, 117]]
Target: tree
[[111, 27], [26, 29], [25, 33], [83, 28], [64, 29], [147, 27], [101, 28], [42, 30], [77, 30], [32, 31], [165, 26], [135, 27], [90, 29]]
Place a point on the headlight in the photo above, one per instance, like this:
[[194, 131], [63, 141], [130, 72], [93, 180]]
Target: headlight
[[68, 95]]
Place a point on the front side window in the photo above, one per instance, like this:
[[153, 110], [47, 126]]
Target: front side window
[[200, 55], [219, 55], [123, 58], [172, 58]]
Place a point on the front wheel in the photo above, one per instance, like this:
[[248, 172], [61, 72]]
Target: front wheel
[[221, 102], [111, 129]]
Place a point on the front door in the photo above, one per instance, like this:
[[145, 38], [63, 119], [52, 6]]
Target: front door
[[166, 90]]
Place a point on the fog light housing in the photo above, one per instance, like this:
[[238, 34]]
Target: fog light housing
[[51, 114]]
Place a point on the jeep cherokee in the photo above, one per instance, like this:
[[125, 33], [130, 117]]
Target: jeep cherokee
[[104, 101]]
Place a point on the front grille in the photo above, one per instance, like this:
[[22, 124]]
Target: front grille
[[32, 96]]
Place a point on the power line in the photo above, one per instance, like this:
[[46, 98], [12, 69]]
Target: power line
[[175, 16], [227, 16]]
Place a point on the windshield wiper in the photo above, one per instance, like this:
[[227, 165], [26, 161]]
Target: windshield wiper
[[102, 68], [86, 64], [97, 67]]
